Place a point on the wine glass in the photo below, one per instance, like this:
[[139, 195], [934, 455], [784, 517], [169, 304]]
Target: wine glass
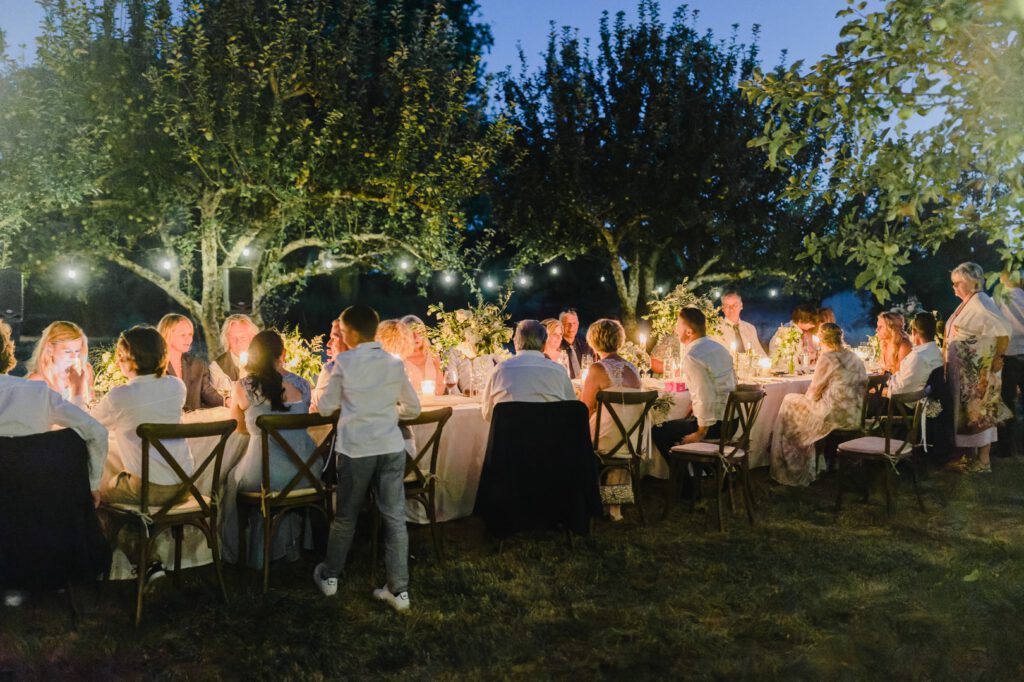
[[451, 379], [563, 360]]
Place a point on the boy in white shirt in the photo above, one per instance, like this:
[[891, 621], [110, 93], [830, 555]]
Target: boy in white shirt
[[373, 392]]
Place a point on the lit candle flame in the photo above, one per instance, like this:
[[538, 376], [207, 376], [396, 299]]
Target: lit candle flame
[[764, 363], [643, 340], [244, 357]]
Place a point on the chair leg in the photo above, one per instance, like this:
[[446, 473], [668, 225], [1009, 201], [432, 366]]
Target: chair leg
[[732, 499], [72, 607], [697, 484], [215, 550], [178, 532], [243, 527], [268, 536], [917, 489], [748, 499], [634, 476], [140, 567], [840, 484], [890, 499], [719, 494]]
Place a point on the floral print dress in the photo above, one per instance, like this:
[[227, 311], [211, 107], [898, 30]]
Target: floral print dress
[[834, 400]]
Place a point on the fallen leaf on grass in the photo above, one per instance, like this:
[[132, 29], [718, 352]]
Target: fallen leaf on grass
[[972, 576]]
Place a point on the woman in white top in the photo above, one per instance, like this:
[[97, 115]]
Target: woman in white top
[[421, 362], [150, 396], [977, 336], [61, 359], [610, 372]]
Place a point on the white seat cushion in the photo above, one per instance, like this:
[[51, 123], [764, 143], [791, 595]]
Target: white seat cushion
[[706, 449], [872, 445], [298, 492], [188, 507]]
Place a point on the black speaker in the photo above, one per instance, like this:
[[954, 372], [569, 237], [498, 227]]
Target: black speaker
[[238, 291], [12, 299]]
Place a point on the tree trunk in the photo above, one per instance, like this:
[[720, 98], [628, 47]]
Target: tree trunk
[[211, 302]]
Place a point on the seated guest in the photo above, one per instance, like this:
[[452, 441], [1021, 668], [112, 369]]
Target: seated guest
[[177, 331], [61, 359], [267, 388], [527, 377], [833, 401], [553, 346], [421, 362], [573, 343], [893, 342], [610, 372], [734, 330], [826, 316], [150, 396], [804, 318], [710, 379], [335, 345], [919, 364], [1011, 305], [31, 407], [235, 336]]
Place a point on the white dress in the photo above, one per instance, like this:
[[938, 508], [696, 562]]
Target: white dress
[[610, 435], [834, 400]]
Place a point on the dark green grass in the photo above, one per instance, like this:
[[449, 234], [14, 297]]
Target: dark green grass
[[802, 595]]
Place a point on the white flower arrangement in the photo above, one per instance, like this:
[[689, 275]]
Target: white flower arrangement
[[636, 356], [665, 310], [787, 344], [473, 331], [107, 374]]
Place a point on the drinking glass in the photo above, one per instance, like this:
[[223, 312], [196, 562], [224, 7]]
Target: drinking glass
[[451, 379]]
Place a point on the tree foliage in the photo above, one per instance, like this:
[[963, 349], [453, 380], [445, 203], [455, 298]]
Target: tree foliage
[[294, 138], [638, 152], [920, 108]]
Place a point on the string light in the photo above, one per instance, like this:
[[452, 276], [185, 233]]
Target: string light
[[659, 290], [488, 283], [717, 293], [554, 270], [246, 252], [602, 278], [71, 273], [773, 293], [166, 265], [404, 265], [523, 281], [447, 278], [328, 263]]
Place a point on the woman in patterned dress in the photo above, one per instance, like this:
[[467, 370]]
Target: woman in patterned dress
[[833, 401]]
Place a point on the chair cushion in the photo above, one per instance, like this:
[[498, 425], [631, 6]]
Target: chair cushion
[[298, 492], [706, 449], [190, 506], [872, 445]]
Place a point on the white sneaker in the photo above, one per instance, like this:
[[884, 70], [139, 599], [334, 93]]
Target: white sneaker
[[329, 586], [399, 602]]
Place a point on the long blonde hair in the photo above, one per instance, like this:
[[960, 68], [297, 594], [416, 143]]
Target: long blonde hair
[[395, 337], [41, 362]]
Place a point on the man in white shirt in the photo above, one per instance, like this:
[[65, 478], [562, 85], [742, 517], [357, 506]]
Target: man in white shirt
[[734, 330], [370, 387], [528, 377], [1012, 306], [31, 407], [710, 379], [921, 361]]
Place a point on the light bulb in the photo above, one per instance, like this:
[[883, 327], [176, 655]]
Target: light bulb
[[71, 273], [554, 270]]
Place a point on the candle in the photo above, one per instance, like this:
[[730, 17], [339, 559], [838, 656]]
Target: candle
[[643, 341], [583, 375], [764, 364], [244, 357], [428, 387]]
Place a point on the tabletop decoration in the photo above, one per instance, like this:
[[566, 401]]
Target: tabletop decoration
[[476, 334], [302, 357], [664, 310], [107, 374], [636, 356], [787, 344]]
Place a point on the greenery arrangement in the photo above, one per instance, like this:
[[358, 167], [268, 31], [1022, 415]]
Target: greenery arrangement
[[637, 356], [787, 344], [664, 310], [107, 374], [475, 331], [303, 357]]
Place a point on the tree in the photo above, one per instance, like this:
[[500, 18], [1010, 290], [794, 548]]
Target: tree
[[920, 109], [295, 138], [640, 155]]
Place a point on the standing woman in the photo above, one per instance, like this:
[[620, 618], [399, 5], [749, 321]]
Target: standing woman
[[177, 331], [422, 362], [977, 336], [61, 360], [894, 344]]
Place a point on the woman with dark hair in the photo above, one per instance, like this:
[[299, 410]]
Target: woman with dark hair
[[268, 388], [804, 318]]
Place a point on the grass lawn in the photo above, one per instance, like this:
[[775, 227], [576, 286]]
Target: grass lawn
[[802, 595]]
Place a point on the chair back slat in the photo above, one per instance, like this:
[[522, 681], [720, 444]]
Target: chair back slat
[[153, 437], [873, 410], [271, 426], [741, 410], [906, 409], [606, 401], [413, 464]]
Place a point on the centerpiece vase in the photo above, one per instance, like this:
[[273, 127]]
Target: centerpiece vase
[[792, 367], [480, 369]]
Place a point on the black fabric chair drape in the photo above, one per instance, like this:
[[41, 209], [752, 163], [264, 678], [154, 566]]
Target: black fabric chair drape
[[49, 531], [941, 430], [540, 471]]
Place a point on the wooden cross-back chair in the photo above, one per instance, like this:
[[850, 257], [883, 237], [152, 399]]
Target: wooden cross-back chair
[[727, 454], [304, 490], [198, 510], [872, 418], [628, 453], [420, 485]]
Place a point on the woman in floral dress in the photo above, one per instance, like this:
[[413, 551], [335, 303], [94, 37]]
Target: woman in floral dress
[[833, 401], [977, 336]]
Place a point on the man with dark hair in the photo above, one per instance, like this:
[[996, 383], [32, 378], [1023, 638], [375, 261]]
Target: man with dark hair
[[710, 379], [921, 361], [373, 393]]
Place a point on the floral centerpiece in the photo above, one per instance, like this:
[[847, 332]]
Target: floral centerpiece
[[107, 374], [787, 344], [303, 357], [635, 355], [474, 331], [664, 310], [661, 408]]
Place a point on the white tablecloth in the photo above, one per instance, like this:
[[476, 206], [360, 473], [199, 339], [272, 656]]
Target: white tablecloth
[[195, 551]]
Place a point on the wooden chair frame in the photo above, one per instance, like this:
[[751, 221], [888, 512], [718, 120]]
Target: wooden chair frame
[[903, 409], [741, 411], [272, 505], [151, 524], [607, 460], [423, 487], [872, 420]]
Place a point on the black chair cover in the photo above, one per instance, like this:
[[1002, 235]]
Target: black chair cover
[[49, 531], [540, 470], [941, 430]]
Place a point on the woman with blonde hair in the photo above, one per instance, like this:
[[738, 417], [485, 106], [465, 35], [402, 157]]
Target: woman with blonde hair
[[61, 360], [177, 331], [422, 362], [236, 334], [553, 346], [894, 343], [833, 401]]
